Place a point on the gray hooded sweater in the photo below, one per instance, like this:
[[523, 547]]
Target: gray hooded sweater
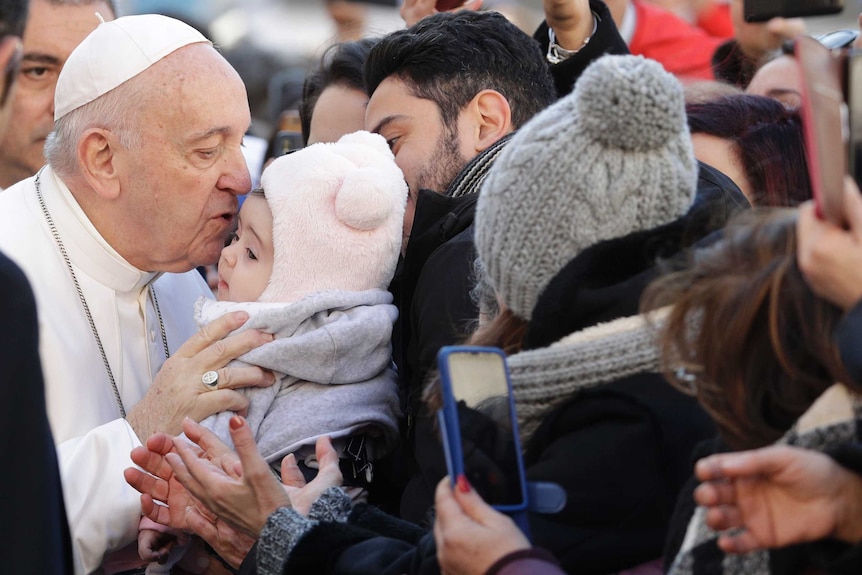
[[332, 360]]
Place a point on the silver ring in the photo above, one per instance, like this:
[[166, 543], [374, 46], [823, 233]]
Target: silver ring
[[210, 379]]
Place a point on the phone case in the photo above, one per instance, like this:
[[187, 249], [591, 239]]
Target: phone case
[[765, 10], [450, 428], [824, 124]]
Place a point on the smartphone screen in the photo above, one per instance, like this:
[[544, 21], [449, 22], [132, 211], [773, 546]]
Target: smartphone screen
[[764, 10], [488, 442]]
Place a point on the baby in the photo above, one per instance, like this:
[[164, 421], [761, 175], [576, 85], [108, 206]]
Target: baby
[[310, 262]]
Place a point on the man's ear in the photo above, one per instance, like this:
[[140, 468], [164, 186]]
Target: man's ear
[[98, 162], [493, 118]]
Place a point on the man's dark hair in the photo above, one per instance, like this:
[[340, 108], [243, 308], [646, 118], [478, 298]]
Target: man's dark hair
[[13, 17], [448, 58], [341, 65]]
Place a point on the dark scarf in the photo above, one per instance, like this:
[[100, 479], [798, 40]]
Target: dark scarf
[[469, 180]]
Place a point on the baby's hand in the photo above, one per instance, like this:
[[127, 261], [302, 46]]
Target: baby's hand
[[154, 545]]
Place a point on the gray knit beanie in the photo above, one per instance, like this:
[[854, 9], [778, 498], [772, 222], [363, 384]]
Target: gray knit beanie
[[611, 158]]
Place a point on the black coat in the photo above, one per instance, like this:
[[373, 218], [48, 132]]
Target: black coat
[[34, 534]]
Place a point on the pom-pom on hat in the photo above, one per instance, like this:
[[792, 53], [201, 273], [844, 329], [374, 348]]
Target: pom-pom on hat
[[611, 158], [337, 217], [115, 52]]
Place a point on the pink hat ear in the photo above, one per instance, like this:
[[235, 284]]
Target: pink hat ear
[[364, 202]]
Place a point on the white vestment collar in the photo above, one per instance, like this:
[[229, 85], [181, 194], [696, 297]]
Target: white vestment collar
[[86, 247]]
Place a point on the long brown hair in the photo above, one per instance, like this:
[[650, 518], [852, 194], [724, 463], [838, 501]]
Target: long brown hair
[[505, 330], [745, 333]]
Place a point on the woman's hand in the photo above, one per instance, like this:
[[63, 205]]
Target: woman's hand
[[178, 391], [157, 481], [778, 496], [829, 256], [471, 535], [414, 10], [571, 21], [756, 39], [247, 500]]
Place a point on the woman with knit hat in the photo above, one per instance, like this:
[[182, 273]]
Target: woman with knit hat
[[568, 229], [569, 225]]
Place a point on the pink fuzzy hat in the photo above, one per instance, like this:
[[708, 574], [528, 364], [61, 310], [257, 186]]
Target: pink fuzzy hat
[[337, 217]]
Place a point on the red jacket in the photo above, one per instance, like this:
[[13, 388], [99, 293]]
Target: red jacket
[[683, 49]]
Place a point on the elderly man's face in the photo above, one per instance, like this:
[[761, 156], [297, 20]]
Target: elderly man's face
[[179, 189], [52, 32]]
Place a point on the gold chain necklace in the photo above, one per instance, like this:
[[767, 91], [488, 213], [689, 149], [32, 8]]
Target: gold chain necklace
[[68, 261]]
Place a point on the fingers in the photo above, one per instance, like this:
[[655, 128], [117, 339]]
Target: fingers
[[211, 333], [219, 352], [255, 467], [219, 400], [237, 377], [786, 27], [766, 461], [150, 462], [291, 476], [158, 513], [472, 503], [713, 493], [147, 484], [180, 461], [446, 507], [724, 517], [160, 443], [200, 525], [213, 448], [329, 474], [742, 542], [206, 439]]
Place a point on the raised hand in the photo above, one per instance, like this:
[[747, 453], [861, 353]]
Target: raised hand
[[414, 10], [778, 496], [178, 392]]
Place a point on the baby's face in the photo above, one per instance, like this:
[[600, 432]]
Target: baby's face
[[245, 265]]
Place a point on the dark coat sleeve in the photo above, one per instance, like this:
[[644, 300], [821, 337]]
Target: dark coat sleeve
[[606, 40], [34, 531]]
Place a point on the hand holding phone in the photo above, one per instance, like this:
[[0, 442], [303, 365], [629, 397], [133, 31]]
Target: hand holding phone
[[479, 427], [825, 123]]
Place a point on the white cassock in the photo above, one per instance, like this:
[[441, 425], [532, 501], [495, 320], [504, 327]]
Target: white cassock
[[93, 441]]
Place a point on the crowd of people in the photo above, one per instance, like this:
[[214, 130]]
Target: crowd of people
[[621, 202]]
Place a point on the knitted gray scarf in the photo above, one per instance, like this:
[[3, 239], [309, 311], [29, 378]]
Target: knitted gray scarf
[[544, 378]]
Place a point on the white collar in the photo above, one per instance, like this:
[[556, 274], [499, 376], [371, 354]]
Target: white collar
[[86, 247]]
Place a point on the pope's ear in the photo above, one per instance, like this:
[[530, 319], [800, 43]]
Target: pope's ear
[[97, 160]]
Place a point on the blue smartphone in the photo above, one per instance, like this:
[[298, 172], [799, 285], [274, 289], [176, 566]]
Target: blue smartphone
[[478, 425]]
